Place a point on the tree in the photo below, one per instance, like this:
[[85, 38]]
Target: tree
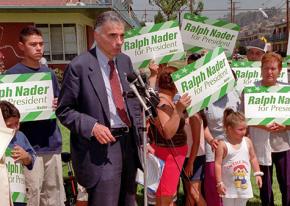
[[199, 7], [171, 8], [158, 18]]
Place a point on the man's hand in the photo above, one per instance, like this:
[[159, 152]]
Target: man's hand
[[103, 134], [20, 155], [54, 103]]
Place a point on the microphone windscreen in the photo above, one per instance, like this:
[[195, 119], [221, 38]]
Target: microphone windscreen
[[144, 78], [131, 77]]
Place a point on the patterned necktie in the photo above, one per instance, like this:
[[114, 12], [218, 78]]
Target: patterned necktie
[[117, 94]]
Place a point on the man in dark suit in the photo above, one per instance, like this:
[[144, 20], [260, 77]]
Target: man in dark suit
[[103, 124]]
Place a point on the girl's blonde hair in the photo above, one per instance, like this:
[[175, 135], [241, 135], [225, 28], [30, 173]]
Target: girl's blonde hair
[[232, 118]]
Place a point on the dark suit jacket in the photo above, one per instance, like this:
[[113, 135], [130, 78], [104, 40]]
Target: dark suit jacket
[[83, 102]]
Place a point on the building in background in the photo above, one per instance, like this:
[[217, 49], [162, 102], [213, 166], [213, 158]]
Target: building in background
[[67, 26], [279, 39], [275, 33], [251, 32]]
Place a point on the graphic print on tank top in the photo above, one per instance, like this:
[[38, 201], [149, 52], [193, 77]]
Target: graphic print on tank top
[[240, 173]]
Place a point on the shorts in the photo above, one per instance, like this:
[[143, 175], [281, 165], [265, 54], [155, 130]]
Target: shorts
[[198, 168], [173, 158]]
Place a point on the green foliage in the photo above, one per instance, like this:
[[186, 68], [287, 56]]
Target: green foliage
[[59, 75], [198, 9], [142, 23], [158, 18], [169, 8], [255, 201]]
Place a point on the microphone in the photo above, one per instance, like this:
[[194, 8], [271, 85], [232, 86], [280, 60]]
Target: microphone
[[143, 85], [133, 81], [139, 83]]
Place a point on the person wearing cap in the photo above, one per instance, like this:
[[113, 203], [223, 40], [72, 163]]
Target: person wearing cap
[[256, 49]]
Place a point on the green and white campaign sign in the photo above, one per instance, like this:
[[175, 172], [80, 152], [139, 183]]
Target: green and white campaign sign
[[200, 32], [16, 178], [249, 72], [206, 80], [160, 42], [31, 93], [264, 105]]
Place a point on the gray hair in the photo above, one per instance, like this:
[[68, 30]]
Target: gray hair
[[108, 16]]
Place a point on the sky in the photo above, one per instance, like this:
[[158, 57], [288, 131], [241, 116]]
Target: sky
[[139, 7]]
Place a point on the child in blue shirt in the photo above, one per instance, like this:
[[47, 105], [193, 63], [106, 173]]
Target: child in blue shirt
[[21, 150]]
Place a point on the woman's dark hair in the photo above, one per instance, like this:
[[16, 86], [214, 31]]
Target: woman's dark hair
[[193, 57], [165, 81], [203, 117], [8, 110]]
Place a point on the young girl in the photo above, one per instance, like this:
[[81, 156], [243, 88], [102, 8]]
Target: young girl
[[22, 154], [233, 159]]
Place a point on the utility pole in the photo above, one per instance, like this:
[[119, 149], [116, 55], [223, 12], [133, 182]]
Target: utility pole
[[234, 10], [287, 18], [231, 11], [145, 15]]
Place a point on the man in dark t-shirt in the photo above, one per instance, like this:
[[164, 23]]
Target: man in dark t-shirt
[[44, 182]]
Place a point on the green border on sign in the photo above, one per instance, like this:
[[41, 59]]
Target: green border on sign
[[214, 22], [195, 65], [30, 77], [263, 89], [227, 87]]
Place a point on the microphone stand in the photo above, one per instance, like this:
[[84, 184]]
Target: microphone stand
[[147, 114], [144, 136]]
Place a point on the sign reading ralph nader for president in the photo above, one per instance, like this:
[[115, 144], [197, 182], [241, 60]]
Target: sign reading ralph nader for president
[[200, 32], [264, 105], [159, 42], [31, 93], [249, 72], [206, 80]]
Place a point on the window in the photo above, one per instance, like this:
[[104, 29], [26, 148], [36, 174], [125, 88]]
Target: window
[[56, 42], [63, 41]]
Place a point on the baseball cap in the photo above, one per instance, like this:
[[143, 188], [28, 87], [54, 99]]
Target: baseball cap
[[257, 44]]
